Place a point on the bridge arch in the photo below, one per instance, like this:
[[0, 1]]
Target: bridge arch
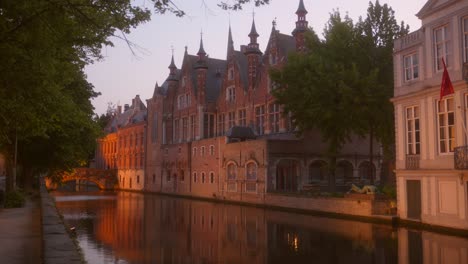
[[104, 179]]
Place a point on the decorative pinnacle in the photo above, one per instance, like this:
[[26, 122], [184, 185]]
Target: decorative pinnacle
[[201, 51], [301, 9]]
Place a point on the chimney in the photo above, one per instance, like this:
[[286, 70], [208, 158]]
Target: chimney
[[243, 48], [126, 107]]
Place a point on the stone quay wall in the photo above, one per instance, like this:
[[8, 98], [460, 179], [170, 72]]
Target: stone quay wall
[[58, 246]]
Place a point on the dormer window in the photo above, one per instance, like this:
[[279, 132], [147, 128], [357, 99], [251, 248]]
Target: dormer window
[[272, 59], [231, 74], [231, 94]]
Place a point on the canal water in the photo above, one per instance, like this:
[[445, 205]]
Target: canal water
[[125, 227]]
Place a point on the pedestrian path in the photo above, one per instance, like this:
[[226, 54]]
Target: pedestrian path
[[20, 234]]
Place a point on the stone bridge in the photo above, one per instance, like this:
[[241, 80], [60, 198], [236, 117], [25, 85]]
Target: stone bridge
[[104, 179]]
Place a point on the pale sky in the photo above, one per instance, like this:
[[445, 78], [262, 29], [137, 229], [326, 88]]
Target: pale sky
[[122, 75]]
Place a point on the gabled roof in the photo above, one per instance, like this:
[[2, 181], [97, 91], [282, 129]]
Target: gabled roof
[[134, 114], [214, 76], [432, 6]]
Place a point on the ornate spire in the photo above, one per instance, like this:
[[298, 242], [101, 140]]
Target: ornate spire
[[230, 46], [253, 31], [301, 9], [253, 46], [201, 63], [172, 67], [301, 23]]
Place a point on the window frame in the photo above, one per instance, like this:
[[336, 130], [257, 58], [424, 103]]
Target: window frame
[[411, 67], [444, 44], [446, 126], [413, 130]]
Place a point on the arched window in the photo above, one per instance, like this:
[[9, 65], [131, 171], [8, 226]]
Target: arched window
[[194, 152], [344, 170], [203, 177], [251, 177], [365, 170], [138, 179], [318, 171], [202, 151], [194, 177], [251, 171], [182, 175], [231, 173], [154, 178], [211, 150], [211, 177]]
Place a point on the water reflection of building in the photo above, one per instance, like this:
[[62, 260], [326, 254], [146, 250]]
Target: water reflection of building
[[149, 229], [415, 246]]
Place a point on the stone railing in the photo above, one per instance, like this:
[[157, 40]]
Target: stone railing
[[412, 161], [411, 39]]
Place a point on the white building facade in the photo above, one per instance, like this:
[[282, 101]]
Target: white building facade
[[431, 134]]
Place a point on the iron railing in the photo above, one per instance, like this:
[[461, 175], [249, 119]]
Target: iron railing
[[461, 158], [412, 161]]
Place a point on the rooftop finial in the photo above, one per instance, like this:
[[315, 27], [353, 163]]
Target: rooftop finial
[[172, 66], [201, 51]]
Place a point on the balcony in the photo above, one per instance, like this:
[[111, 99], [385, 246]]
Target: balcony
[[412, 161], [461, 158]]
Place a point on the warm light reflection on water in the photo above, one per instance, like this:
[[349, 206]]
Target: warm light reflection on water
[[137, 228]]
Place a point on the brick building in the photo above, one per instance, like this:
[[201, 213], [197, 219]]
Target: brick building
[[191, 113], [123, 146]]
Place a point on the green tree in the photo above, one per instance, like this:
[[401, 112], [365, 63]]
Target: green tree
[[320, 86], [376, 34], [342, 84], [45, 110]]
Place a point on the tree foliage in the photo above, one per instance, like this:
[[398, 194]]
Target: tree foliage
[[342, 84], [44, 95]]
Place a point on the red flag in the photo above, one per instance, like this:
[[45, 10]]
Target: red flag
[[446, 87]]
